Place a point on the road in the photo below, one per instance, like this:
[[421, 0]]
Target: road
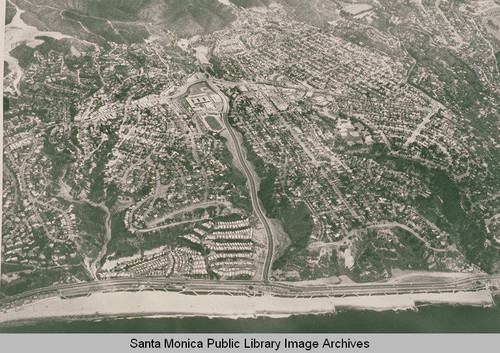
[[435, 109], [252, 288], [408, 229], [251, 182]]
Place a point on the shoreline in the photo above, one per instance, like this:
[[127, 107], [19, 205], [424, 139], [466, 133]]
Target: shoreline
[[180, 316], [154, 304]]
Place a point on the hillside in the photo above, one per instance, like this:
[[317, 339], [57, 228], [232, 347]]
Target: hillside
[[111, 20], [316, 13], [251, 3], [102, 21]]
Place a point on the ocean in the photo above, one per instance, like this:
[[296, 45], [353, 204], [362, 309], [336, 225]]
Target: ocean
[[427, 319]]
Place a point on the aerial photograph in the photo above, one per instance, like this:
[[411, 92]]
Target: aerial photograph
[[256, 166]]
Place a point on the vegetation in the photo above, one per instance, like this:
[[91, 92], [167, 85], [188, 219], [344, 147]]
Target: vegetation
[[10, 12], [459, 83], [454, 214], [6, 104], [95, 25], [40, 278], [183, 17], [298, 223], [24, 55], [471, 229], [90, 220], [250, 3], [60, 157], [125, 243]]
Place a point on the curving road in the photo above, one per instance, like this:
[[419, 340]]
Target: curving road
[[251, 182]]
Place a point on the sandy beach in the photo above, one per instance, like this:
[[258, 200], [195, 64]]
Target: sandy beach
[[173, 304]]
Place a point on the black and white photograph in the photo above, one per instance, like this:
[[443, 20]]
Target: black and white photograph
[[251, 167]]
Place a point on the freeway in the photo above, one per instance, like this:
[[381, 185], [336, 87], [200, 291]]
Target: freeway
[[251, 181], [253, 288]]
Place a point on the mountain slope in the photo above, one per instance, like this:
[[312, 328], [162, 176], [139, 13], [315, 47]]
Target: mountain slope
[[251, 3], [313, 12], [316, 13], [89, 18]]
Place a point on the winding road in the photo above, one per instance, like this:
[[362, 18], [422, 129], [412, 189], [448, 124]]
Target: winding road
[[251, 182]]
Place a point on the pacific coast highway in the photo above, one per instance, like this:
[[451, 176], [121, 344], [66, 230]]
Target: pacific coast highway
[[253, 288]]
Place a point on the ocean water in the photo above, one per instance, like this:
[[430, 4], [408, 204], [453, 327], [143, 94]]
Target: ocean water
[[428, 319]]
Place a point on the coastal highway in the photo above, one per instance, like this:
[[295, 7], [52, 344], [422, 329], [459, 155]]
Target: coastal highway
[[251, 181], [253, 288]]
